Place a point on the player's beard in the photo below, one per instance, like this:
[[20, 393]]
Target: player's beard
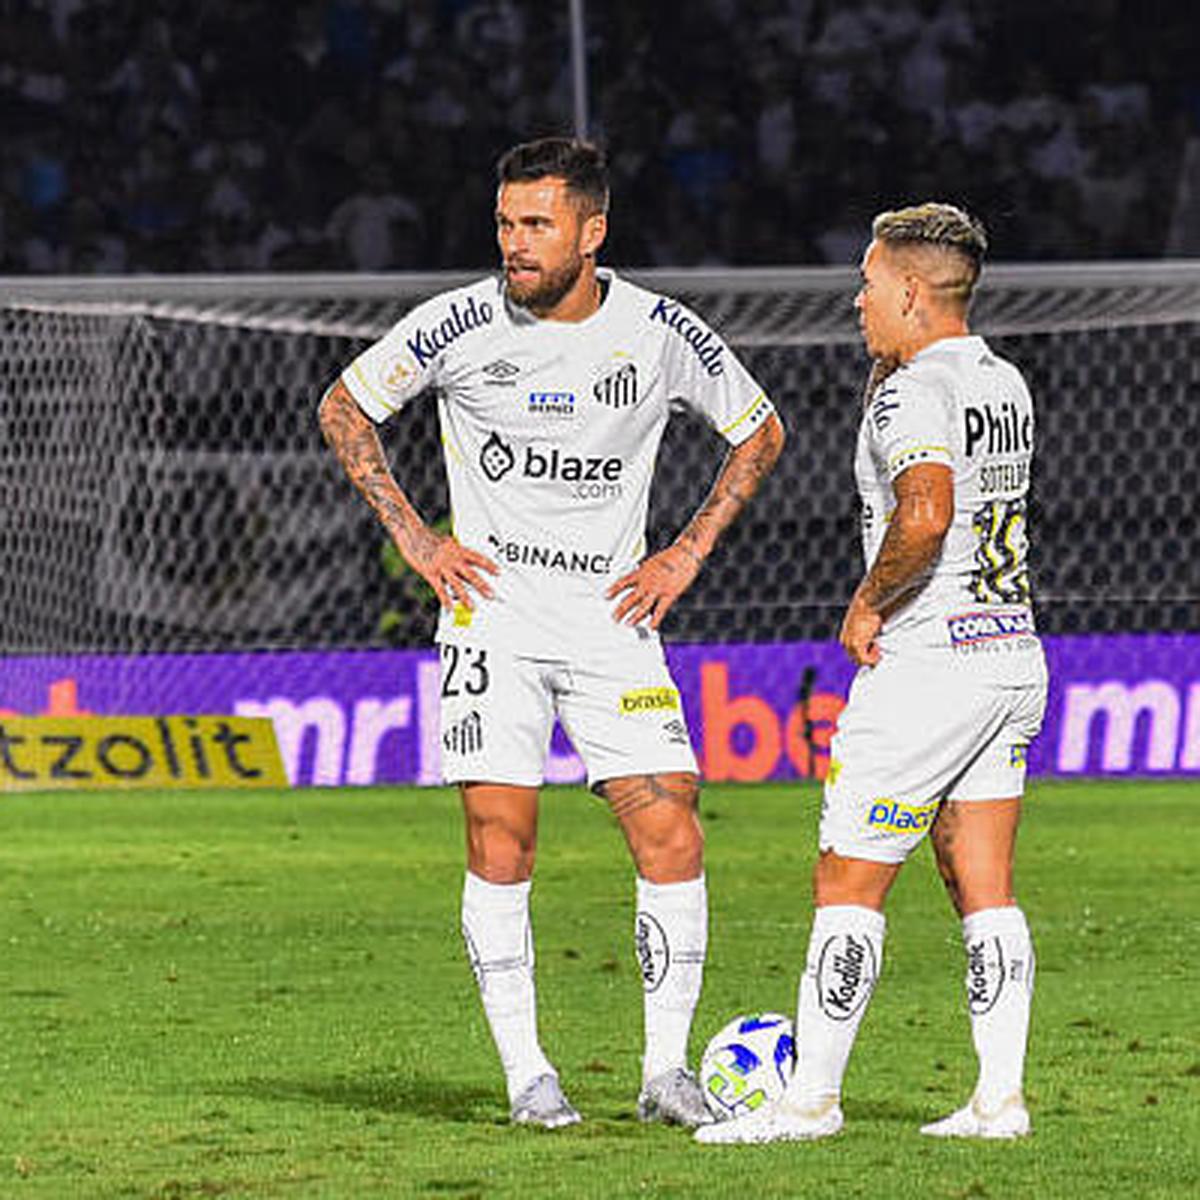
[[548, 289]]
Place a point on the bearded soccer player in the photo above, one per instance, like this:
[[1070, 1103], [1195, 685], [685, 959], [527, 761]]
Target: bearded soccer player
[[554, 385], [951, 684]]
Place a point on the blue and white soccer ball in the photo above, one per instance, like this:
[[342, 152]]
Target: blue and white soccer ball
[[748, 1063]]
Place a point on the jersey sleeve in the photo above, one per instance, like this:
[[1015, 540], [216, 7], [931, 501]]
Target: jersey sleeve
[[909, 422], [395, 369], [709, 379]]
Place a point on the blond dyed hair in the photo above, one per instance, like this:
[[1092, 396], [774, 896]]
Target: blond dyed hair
[[941, 242]]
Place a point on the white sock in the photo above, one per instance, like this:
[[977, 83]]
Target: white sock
[[845, 955], [499, 940], [1000, 969], [670, 934]]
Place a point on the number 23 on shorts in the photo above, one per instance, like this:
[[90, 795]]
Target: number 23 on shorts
[[464, 671]]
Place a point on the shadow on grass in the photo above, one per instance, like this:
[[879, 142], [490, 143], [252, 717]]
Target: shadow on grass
[[412, 1096], [891, 1113]]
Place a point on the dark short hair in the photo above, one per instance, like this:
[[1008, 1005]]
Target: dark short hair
[[581, 165]]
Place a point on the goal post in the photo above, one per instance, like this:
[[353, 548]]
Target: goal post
[[166, 487], [176, 536]]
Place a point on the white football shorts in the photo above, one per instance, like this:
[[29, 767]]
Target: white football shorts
[[498, 711], [915, 734]]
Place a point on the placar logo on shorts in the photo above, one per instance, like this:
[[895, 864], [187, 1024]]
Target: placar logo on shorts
[[985, 975], [846, 972], [653, 699], [901, 818], [652, 950], [496, 458]]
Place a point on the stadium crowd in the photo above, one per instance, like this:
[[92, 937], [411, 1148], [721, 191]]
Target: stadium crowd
[[197, 135]]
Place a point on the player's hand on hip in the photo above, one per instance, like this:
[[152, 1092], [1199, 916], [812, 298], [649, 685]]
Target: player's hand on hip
[[449, 567], [654, 585], [859, 634]]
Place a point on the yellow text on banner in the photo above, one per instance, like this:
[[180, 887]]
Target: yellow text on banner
[[81, 753]]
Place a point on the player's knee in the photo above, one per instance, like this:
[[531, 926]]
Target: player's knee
[[669, 851], [841, 880], [500, 851]]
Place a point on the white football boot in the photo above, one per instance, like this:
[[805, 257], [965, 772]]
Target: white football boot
[[543, 1103], [674, 1098], [1009, 1120], [778, 1122]]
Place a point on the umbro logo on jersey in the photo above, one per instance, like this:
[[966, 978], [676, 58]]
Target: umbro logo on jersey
[[501, 373], [618, 389]]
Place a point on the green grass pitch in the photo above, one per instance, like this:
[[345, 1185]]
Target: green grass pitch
[[264, 995]]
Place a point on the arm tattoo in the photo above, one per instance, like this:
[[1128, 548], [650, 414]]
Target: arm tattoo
[[352, 437], [744, 469], [911, 543]]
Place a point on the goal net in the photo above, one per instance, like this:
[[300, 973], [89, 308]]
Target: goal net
[[165, 487]]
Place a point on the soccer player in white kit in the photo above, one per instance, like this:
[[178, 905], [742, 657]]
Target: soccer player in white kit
[[951, 684], [554, 386]]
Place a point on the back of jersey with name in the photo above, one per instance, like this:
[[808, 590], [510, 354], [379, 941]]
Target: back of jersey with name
[[958, 404]]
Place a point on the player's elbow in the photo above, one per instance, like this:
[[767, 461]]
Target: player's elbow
[[770, 439], [334, 407]]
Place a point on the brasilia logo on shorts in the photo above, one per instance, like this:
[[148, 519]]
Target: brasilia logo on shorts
[[985, 975], [704, 343], [651, 699], [846, 971], [652, 950], [619, 388]]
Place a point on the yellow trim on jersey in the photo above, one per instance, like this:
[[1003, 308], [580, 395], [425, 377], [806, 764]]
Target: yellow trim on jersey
[[918, 450], [456, 453], [749, 411]]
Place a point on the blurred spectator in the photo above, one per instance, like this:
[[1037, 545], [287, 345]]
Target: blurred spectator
[[358, 134], [376, 229]]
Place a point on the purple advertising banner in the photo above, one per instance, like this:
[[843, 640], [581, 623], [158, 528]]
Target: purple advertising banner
[[1119, 705]]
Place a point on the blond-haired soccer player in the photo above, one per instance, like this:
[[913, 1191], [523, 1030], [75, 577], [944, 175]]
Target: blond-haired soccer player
[[554, 385], [951, 684]]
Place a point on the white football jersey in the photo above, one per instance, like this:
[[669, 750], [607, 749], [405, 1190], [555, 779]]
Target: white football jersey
[[550, 431], [959, 404]]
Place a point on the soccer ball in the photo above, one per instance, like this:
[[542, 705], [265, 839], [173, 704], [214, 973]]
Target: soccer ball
[[748, 1063]]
